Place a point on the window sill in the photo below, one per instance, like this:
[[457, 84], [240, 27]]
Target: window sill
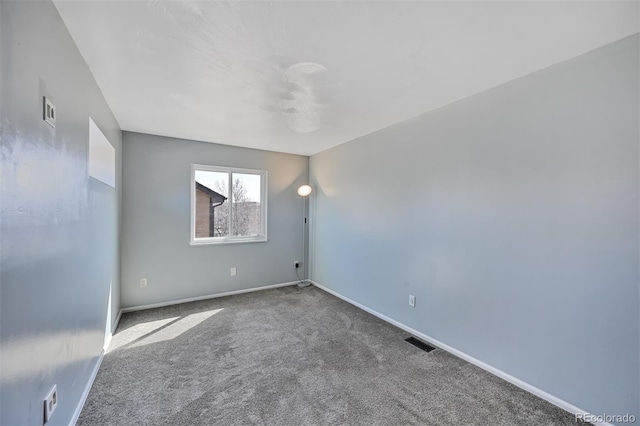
[[211, 242]]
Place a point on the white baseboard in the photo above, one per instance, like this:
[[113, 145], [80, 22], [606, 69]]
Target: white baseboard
[[116, 322], [209, 296], [496, 372], [108, 337], [107, 341], [87, 389]]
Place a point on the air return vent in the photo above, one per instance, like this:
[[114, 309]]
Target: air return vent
[[419, 344]]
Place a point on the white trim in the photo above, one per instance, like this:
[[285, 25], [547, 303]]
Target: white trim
[[108, 337], [209, 296], [264, 196], [85, 393], [107, 341], [496, 372], [226, 169], [116, 322], [218, 240]]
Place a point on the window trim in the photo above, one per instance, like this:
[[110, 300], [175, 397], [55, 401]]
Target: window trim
[[229, 240]]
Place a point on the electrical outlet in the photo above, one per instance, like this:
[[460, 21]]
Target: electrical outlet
[[48, 112], [296, 264], [143, 282], [50, 403], [412, 300], [233, 272]]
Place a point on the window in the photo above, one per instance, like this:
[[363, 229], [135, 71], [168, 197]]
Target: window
[[228, 205]]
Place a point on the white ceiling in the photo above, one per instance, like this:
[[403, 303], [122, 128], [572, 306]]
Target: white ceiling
[[303, 76]]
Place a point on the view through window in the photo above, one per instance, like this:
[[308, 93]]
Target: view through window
[[228, 205]]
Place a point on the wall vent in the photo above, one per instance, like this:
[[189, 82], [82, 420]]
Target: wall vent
[[419, 344]]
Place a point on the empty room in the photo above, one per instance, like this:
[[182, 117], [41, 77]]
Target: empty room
[[319, 212]]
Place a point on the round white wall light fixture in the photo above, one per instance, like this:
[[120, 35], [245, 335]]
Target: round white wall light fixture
[[304, 190]]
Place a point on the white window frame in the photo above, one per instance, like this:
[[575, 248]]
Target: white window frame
[[229, 239]]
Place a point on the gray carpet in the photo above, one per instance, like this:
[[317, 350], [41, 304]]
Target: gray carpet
[[292, 356]]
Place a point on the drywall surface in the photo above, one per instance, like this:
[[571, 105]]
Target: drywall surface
[[59, 268], [512, 216], [156, 222]]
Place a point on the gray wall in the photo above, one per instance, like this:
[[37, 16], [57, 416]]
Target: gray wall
[[59, 228], [513, 216], [156, 222]]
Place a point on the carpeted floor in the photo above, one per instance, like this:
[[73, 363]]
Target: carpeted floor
[[292, 356]]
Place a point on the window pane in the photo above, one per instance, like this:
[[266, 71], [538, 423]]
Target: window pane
[[245, 205], [212, 207]]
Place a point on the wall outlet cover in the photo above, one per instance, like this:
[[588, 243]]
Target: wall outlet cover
[[50, 403], [48, 112]]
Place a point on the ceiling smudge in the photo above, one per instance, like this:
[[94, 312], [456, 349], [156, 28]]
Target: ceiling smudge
[[290, 90]]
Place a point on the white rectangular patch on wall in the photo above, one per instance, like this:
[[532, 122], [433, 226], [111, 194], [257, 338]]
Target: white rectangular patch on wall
[[102, 156]]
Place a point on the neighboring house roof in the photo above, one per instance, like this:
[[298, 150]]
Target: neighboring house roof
[[216, 197]]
